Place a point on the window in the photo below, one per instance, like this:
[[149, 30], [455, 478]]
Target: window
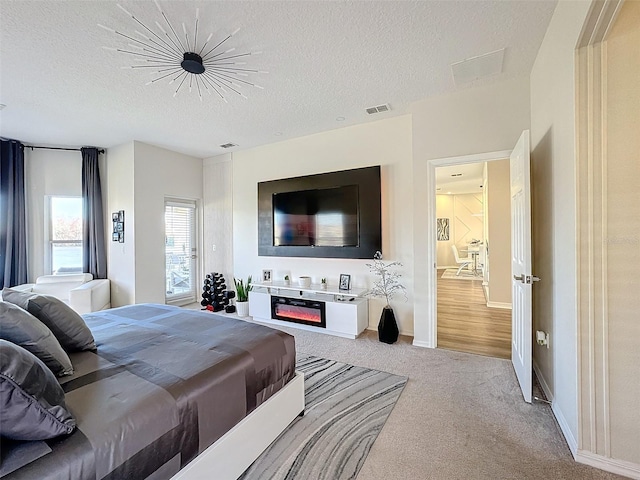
[[180, 251], [65, 235]]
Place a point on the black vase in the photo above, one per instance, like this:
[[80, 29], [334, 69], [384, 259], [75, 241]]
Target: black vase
[[387, 328]]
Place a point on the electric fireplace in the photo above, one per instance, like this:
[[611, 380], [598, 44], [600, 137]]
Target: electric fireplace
[[298, 310]]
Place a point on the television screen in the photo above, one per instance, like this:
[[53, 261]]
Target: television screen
[[326, 217]]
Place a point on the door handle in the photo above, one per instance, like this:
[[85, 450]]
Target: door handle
[[526, 279], [194, 256]]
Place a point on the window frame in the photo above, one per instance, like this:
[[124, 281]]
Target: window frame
[[48, 232], [190, 297]]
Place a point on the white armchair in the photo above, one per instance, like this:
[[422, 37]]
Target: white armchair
[[80, 291]]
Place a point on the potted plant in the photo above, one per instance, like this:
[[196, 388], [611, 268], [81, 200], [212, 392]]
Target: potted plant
[[386, 286], [323, 283], [287, 280], [242, 295]]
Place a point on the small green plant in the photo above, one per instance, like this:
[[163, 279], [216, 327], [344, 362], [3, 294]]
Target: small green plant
[[242, 289], [286, 278], [323, 281]]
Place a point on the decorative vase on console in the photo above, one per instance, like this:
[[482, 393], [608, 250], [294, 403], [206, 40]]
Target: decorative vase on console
[[242, 291], [323, 283], [386, 286], [287, 281]]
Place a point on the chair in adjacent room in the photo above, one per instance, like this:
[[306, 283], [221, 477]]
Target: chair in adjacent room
[[463, 262]]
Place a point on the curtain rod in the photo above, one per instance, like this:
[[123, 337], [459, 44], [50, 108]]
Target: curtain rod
[[58, 148]]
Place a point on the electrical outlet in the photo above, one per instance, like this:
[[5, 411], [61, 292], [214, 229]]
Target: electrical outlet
[[542, 338]]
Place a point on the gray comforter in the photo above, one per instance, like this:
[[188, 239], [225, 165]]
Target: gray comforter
[[164, 384]]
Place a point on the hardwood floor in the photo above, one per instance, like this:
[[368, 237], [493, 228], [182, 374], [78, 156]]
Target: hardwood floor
[[466, 324]]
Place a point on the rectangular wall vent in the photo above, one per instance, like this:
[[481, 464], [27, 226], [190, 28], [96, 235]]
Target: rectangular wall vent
[[228, 145], [378, 109]]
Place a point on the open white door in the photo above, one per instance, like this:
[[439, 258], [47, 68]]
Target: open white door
[[521, 317]]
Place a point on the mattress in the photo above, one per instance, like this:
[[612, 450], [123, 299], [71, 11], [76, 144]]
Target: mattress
[[163, 385]]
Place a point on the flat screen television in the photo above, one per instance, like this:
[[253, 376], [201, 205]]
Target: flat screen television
[[331, 215], [323, 217]]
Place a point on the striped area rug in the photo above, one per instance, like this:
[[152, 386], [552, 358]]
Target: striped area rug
[[346, 407]]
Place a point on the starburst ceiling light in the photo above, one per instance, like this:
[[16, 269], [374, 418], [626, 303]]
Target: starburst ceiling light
[[184, 59]]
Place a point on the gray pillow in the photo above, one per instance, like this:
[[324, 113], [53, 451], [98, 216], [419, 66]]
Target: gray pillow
[[68, 327], [31, 399], [20, 327]]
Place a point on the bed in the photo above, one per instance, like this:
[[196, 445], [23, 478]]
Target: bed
[[168, 393]]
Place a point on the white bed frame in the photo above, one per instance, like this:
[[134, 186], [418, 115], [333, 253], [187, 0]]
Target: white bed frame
[[237, 449]]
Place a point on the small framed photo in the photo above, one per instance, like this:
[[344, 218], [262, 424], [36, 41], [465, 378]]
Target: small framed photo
[[115, 236], [119, 226], [121, 216], [345, 281], [115, 216], [267, 275], [121, 237]]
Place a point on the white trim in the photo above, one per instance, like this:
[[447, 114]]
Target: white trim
[[620, 467], [237, 449], [475, 158], [419, 343], [505, 305], [564, 427], [432, 295], [560, 418]]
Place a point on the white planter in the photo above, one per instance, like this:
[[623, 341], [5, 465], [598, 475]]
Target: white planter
[[304, 282], [242, 308]]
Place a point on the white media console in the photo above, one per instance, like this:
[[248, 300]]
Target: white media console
[[344, 313]]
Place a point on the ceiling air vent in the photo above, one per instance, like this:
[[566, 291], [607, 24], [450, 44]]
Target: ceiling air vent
[[228, 145], [378, 109]]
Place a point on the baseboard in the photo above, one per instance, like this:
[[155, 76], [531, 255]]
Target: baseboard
[[543, 382], [564, 427], [506, 306], [562, 421], [620, 467], [374, 328], [420, 343]]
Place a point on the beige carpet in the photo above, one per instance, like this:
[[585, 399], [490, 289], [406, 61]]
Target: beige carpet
[[460, 416], [464, 275]]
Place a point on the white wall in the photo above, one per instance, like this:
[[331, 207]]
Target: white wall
[[554, 209], [218, 216], [498, 210], [159, 173], [465, 224], [623, 235], [386, 143], [140, 176], [484, 119], [444, 209], [47, 172], [121, 256]]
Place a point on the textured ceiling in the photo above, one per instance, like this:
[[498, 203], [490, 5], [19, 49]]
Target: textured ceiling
[[325, 60]]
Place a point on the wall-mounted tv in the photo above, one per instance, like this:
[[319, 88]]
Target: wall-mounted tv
[[335, 215]]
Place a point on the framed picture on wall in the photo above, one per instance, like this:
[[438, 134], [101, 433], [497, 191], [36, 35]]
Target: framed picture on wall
[[117, 218], [442, 229], [345, 282]]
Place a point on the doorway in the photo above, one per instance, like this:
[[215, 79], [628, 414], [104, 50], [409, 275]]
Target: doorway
[[473, 287], [431, 257], [180, 251]]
